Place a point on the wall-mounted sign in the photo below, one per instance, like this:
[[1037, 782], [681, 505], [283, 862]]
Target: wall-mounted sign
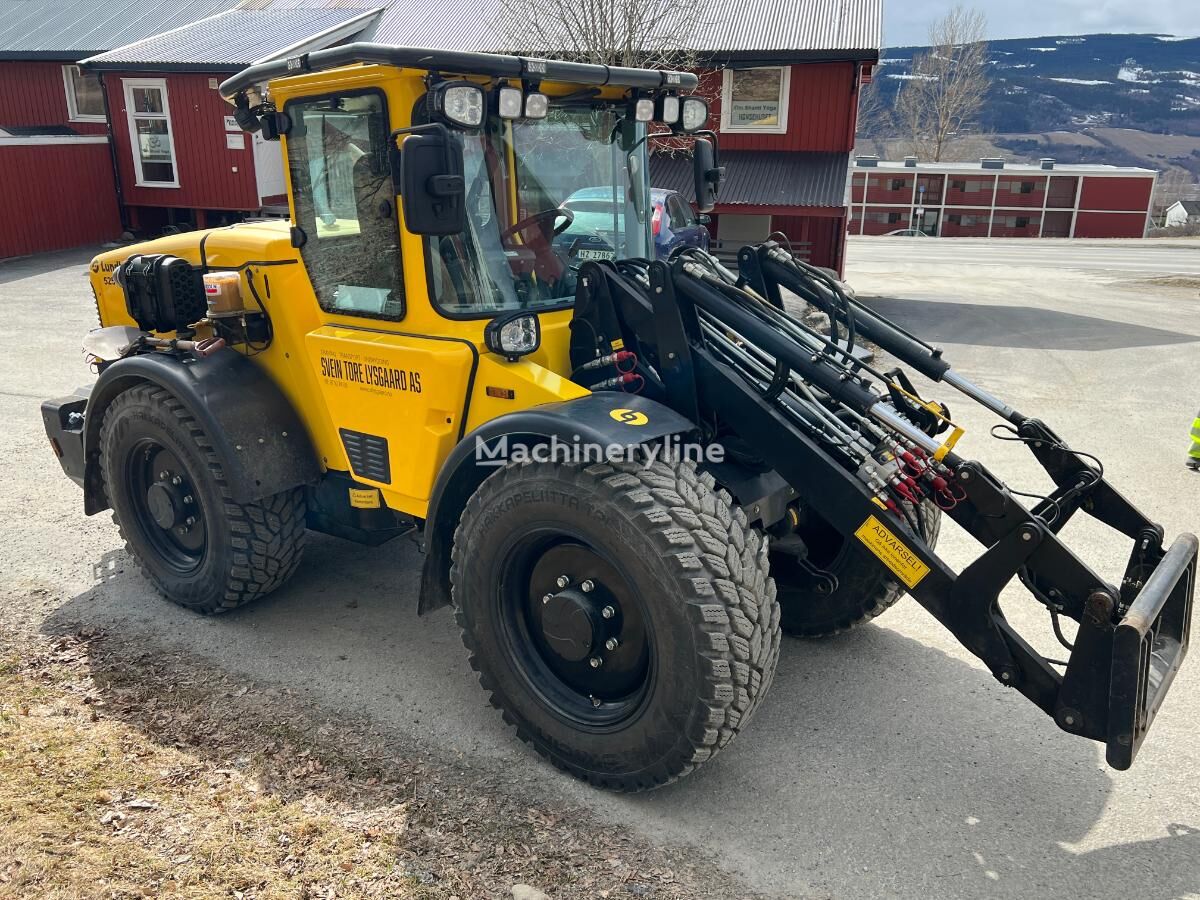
[[231, 124], [235, 141]]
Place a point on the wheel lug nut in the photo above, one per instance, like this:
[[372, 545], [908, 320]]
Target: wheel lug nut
[[164, 475], [563, 581], [547, 598], [190, 520], [187, 498], [595, 701], [595, 662], [176, 480], [608, 612], [611, 644], [588, 586]]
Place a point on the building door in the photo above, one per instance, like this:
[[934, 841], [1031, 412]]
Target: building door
[[268, 171]]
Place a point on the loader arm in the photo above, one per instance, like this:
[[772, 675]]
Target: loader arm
[[859, 447]]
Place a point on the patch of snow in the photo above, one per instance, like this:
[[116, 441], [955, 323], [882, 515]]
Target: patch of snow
[[1078, 81], [1044, 49], [1075, 40], [1138, 91], [908, 77], [1131, 71], [894, 60], [1172, 37]]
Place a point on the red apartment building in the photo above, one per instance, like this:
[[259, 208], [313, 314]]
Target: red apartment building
[[992, 198]]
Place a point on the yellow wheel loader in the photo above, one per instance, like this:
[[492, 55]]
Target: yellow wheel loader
[[629, 476]]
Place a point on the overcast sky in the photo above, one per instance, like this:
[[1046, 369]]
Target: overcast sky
[[906, 22]]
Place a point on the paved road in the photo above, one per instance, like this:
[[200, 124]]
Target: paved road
[[885, 763], [1151, 257]]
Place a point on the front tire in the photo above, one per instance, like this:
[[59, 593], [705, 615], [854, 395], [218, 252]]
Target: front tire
[[621, 617], [864, 588], [195, 544]]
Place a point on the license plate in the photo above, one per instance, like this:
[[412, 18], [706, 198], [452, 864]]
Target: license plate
[[596, 254]]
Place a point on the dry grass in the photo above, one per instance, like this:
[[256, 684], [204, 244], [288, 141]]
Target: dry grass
[[92, 809], [129, 773]]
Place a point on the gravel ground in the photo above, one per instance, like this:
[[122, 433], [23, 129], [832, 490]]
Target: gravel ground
[[886, 762]]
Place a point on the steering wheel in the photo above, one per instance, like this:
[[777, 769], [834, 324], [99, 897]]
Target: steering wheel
[[546, 214]]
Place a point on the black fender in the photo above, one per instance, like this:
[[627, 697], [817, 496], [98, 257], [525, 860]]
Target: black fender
[[263, 446], [601, 419]]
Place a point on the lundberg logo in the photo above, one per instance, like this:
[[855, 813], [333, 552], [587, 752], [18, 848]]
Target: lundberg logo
[[672, 449]]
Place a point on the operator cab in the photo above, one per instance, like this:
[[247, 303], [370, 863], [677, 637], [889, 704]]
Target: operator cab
[[492, 169]]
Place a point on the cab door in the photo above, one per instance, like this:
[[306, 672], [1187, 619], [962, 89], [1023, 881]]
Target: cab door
[[397, 400]]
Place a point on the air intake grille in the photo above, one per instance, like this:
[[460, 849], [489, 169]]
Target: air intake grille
[[368, 455]]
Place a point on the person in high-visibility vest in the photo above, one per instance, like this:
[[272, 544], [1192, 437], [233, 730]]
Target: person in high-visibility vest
[[1193, 460]]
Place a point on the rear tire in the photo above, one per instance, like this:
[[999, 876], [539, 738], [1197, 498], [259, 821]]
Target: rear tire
[[195, 544], [678, 579], [864, 590]]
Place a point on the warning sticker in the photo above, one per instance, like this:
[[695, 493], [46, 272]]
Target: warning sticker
[[892, 552], [364, 498]]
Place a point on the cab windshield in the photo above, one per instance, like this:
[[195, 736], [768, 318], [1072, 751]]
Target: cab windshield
[[542, 197]]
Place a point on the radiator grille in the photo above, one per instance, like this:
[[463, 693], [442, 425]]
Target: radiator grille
[[368, 455]]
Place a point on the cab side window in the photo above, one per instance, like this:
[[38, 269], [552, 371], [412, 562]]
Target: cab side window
[[345, 204]]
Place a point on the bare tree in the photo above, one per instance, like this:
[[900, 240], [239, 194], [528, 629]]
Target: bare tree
[[943, 94], [646, 33], [874, 118]]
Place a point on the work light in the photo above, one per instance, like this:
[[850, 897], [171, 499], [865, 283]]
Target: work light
[[668, 109], [643, 109], [509, 102], [695, 114], [458, 102], [513, 336], [536, 106]]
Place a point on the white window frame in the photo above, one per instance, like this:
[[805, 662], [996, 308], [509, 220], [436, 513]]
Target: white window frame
[[785, 93], [73, 114], [127, 86]]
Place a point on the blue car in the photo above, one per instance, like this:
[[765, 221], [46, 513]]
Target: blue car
[[589, 236]]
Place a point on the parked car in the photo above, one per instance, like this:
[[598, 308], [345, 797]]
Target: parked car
[[673, 223], [907, 232]]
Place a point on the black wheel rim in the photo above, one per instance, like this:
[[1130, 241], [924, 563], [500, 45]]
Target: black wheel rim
[[574, 630], [166, 506]]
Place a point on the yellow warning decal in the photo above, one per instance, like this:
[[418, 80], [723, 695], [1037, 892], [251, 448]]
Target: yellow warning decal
[[892, 552], [629, 417], [618, 343], [364, 498]]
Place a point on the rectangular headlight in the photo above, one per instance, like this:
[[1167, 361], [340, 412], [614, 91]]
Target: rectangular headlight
[[643, 110], [458, 102], [510, 102], [536, 106], [514, 335], [668, 109], [694, 115]]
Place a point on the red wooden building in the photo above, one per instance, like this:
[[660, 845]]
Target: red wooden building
[[56, 162], [992, 198], [144, 142], [181, 158]]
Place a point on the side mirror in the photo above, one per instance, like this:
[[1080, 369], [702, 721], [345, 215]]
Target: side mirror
[[703, 219], [707, 173], [432, 187]]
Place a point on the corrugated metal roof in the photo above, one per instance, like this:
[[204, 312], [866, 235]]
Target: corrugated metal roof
[[73, 29], [762, 177], [233, 39], [726, 28]]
